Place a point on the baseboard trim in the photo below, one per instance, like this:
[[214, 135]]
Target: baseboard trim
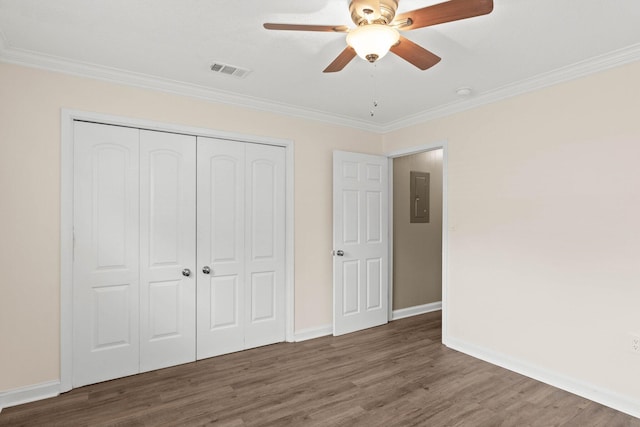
[[416, 310], [29, 393], [588, 391], [311, 333]]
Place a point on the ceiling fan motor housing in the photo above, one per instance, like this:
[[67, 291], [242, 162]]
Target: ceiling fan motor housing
[[367, 11]]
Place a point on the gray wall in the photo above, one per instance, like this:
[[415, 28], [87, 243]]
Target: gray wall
[[417, 248]]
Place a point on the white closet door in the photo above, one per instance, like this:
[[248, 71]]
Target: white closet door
[[264, 244], [105, 287], [220, 324], [142, 300], [167, 249]]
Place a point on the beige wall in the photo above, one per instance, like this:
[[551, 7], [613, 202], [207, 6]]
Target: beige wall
[[417, 247], [544, 201], [544, 226], [30, 104]]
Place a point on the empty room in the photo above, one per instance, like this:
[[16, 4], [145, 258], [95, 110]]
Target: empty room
[[329, 212]]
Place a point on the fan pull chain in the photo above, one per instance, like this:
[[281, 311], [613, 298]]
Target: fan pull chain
[[374, 101]]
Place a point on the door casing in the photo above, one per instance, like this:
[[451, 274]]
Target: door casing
[[66, 216]]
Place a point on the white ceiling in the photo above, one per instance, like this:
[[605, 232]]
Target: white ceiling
[[170, 44]]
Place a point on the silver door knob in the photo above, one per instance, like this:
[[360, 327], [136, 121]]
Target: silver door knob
[[206, 269], [186, 272], [339, 252]]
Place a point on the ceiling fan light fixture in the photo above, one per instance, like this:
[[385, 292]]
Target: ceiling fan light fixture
[[372, 41]]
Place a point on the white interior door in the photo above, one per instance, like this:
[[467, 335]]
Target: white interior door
[[167, 249], [264, 244], [106, 274], [360, 238], [241, 238], [221, 175]]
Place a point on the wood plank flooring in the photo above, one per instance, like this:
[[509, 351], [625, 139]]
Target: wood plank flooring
[[394, 375]]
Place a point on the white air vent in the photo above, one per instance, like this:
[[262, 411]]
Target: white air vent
[[229, 70]]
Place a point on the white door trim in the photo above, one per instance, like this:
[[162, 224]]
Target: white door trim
[[445, 227], [66, 216]]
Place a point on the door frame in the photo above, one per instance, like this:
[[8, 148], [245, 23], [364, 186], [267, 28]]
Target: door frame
[[68, 116], [445, 227]]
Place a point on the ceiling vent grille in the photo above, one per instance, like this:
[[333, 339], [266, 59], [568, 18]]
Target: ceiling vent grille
[[229, 70]]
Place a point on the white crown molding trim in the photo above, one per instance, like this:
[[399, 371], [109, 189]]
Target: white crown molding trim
[[560, 75], [30, 393], [416, 310], [311, 333], [52, 63], [592, 392], [145, 81]]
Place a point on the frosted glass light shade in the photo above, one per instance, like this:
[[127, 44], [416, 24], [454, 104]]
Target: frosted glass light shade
[[372, 41]]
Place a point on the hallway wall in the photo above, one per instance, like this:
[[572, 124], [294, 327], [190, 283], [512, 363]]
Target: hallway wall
[[417, 247]]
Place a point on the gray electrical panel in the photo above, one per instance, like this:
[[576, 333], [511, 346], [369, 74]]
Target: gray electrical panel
[[419, 196]]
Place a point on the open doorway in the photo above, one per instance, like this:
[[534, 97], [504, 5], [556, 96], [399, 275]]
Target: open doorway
[[417, 245], [354, 206]]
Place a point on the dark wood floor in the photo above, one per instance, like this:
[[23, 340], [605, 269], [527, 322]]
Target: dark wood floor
[[394, 375]]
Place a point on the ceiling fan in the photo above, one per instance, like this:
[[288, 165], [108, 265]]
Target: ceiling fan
[[377, 25]]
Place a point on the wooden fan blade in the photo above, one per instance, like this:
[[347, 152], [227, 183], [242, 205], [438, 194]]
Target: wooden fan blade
[[341, 61], [415, 54], [299, 27], [452, 10]]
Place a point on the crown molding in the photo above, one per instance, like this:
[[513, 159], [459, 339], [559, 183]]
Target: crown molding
[[118, 76], [145, 81], [560, 75]]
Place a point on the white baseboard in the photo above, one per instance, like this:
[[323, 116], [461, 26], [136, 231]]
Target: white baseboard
[[311, 333], [414, 311], [588, 391], [29, 393]]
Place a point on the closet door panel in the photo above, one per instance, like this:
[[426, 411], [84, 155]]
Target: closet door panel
[[220, 243], [179, 249], [167, 247], [265, 240], [106, 273]]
